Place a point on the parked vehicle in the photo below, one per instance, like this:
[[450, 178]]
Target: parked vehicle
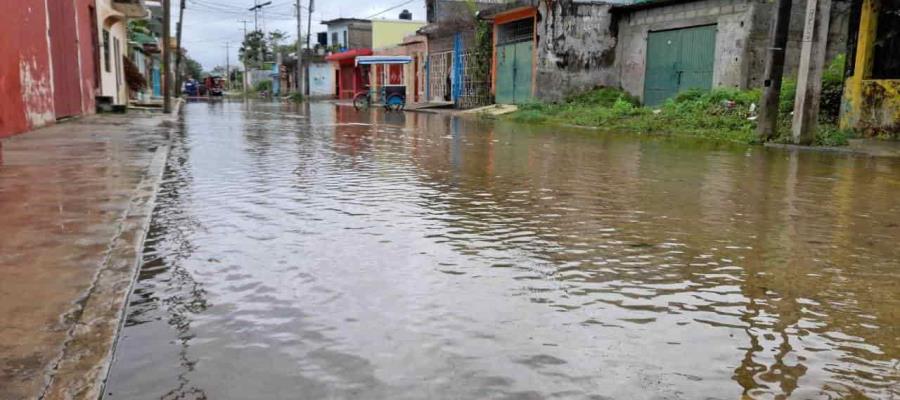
[[214, 85], [191, 88], [391, 96]]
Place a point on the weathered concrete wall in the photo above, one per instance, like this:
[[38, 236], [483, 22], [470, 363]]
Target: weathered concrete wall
[[762, 20], [442, 11], [869, 106], [733, 19], [575, 48], [26, 85], [444, 42], [741, 38], [321, 80], [872, 106]]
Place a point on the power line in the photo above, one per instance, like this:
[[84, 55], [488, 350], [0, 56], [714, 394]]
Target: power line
[[389, 9]]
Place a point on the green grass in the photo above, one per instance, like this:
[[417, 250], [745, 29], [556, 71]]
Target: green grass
[[720, 114], [296, 97]]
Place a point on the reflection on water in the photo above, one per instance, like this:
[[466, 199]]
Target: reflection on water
[[317, 252]]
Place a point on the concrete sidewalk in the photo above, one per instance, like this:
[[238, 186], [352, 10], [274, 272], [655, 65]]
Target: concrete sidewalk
[[75, 203]]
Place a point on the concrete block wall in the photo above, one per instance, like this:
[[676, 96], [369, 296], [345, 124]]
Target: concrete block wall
[[741, 38], [762, 17], [733, 19], [575, 49]]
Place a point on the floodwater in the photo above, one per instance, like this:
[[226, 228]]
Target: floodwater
[[323, 253]]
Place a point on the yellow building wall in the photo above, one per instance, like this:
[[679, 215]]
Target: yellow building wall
[[871, 105], [387, 33]]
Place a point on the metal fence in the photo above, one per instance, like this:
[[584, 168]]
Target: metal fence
[[438, 71], [476, 91]]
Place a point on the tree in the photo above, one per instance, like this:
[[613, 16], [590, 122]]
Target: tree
[[290, 47], [193, 69], [254, 43], [218, 70], [275, 37]]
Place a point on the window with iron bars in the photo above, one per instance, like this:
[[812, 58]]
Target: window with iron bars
[[516, 31]]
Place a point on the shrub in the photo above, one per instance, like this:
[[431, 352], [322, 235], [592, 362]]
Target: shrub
[[296, 97], [832, 90], [263, 86], [602, 96], [831, 135], [830, 100], [529, 116]]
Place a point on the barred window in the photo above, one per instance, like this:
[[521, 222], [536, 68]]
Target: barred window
[[516, 31]]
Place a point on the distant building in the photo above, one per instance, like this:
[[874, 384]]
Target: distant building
[[454, 72], [348, 33], [652, 49], [389, 33]]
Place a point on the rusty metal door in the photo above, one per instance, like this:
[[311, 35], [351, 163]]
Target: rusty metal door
[[64, 56]]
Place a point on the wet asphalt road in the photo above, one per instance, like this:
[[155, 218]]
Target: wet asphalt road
[[313, 252]]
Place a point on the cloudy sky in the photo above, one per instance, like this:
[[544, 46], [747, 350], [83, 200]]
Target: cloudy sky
[[209, 24]]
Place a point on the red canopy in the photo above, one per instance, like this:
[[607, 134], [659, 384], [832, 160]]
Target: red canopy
[[349, 55]]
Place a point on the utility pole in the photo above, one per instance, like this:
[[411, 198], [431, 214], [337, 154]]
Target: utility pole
[[256, 7], [778, 34], [299, 70], [228, 64], [809, 74], [178, 74], [309, 12], [167, 79], [244, 62]]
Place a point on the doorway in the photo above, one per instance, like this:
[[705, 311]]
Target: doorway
[[678, 60], [64, 56]]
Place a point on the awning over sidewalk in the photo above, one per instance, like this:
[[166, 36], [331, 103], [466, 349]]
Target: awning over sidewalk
[[368, 60], [349, 55]]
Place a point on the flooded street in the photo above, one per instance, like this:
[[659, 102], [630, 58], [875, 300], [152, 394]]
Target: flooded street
[[315, 252]]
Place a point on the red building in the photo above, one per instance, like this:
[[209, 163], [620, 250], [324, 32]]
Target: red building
[[350, 79], [47, 68]]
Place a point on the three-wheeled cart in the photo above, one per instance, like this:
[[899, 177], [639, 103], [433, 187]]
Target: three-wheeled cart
[[391, 92]]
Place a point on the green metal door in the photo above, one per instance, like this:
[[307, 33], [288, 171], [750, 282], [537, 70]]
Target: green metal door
[[678, 60], [506, 67], [698, 51], [523, 73], [514, 73], [661, 78]]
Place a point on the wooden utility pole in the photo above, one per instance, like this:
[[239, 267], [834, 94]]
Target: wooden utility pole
[[809, 74], [244, 61], [767, 123], [167, 79], [178, 74], [228, 64], [299, 69], [256, 7], [309, 12]]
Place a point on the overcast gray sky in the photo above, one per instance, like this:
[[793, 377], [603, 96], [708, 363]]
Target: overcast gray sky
[[209, 24]]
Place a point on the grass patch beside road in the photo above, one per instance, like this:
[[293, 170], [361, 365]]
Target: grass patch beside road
[[720, 114]]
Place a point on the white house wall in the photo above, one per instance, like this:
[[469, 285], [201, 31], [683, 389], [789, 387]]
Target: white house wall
[[321, 80]]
